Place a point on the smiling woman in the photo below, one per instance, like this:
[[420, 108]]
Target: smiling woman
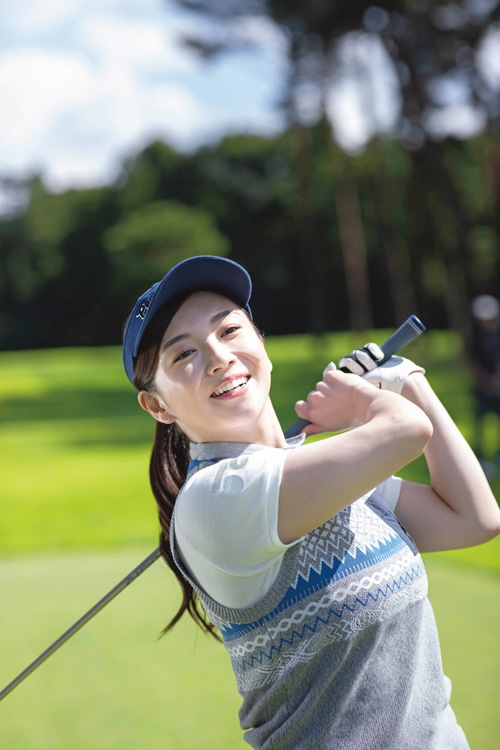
[[306, 558], [213, 375]]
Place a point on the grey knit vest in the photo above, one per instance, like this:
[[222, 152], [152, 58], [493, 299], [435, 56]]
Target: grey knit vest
[[342, 653]]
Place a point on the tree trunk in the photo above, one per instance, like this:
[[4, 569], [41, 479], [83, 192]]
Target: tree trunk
[[451, 230], [352, 241], [394, 247], [310, 246]]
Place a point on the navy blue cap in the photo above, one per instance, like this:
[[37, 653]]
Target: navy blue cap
[[200, 272]]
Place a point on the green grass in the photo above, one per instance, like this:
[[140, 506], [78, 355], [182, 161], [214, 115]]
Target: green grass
[[76, 447], [466, 602], [77, 516], [75, 444], [113, 685]]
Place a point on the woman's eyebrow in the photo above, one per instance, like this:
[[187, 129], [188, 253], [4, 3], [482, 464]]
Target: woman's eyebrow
[[220, 315], [173, 341], [215, 319]]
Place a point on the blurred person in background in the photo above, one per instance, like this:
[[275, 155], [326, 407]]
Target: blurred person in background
[[484, 363]]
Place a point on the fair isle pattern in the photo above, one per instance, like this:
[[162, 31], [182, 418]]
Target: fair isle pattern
[[342, 650], [336, 589], [308, 631]]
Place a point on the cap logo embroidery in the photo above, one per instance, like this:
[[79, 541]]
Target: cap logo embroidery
[[141, 313]]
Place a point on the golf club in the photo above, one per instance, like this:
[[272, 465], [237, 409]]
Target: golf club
[[135, 573], [408, 331]]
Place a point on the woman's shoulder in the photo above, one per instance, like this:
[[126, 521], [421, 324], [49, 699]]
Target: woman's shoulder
[[232, 496], [247, 467]]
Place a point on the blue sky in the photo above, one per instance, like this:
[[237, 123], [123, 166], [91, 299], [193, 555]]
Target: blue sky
[[84, 82]]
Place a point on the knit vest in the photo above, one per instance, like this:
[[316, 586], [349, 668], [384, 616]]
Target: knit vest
[[342, 652]]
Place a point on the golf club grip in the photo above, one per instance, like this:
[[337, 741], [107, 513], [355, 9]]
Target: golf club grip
[[407, 331]]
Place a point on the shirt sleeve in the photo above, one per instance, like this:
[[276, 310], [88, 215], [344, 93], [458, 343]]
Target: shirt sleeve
[[226, 525], [390, 490]]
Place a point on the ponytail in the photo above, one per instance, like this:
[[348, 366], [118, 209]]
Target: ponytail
[[167, 473], [168, 466]]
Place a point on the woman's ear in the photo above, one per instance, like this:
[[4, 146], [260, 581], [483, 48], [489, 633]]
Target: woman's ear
[[153, 404]]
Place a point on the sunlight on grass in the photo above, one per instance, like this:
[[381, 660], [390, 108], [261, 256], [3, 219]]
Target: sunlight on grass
[[70, 485], [76, 446], [466, 603]]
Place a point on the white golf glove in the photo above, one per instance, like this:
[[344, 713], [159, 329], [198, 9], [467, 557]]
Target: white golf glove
[[391, 376]]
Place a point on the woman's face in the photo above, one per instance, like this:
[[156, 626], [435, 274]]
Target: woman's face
[[214, 375]]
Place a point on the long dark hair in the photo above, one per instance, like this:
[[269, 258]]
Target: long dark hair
[[168, 465]]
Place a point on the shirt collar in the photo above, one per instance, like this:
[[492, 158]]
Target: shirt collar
[[200, 452]]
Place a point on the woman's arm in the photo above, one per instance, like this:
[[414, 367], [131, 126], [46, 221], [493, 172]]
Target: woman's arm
[[386, 432], [458, 509]]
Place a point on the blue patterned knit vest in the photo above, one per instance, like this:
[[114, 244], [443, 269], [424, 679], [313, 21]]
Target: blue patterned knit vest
[[342, 652]]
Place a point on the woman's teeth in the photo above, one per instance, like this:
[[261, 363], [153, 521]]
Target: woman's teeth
[[230, 386]]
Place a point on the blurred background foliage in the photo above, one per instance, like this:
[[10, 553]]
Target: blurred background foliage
[[333, 241]]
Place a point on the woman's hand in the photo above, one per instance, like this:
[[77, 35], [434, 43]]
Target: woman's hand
[[321, 478], [390, 376], [339, 402]]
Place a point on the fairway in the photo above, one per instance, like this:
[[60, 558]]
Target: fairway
[[466, 601], [77, 517], [115, 686]]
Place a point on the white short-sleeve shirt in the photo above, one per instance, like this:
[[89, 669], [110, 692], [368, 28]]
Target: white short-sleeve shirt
[[226, 524]]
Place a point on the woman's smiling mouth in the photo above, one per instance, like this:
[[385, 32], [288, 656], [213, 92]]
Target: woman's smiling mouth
[[231, 385]]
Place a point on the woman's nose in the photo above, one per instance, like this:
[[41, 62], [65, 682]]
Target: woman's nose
[[219, 356]]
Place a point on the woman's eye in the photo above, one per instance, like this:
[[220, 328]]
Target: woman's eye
[[231, 329], [183, 355]]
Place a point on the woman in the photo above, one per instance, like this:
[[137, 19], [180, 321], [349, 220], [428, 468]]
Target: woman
[[304, 557]]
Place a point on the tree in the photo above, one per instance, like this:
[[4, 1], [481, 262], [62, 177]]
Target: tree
[[149, 240], [72, 305], [433, 47]]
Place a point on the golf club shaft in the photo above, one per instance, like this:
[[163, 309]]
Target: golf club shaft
[[407, 331], [82, 621]]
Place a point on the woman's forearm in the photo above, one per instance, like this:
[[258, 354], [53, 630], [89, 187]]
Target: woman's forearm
[[455, 473]]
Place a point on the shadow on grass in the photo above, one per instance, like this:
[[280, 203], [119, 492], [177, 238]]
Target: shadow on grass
[[64, 404], [97, 417], [139, 437]]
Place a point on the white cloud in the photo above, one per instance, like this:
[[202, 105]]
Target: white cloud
[[31, 17], [34, 17], [488, 57], [84, 82], [75, 119], [73, 112], [170, 112], [263, 33], [364, 94], [35, 87], [139, 44]]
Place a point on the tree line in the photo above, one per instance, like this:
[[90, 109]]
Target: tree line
[[350, 242], [411, 224]]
